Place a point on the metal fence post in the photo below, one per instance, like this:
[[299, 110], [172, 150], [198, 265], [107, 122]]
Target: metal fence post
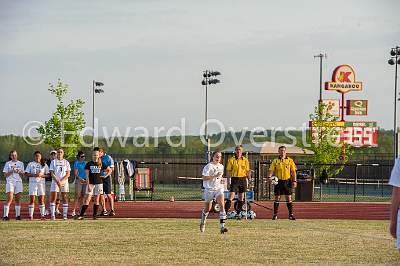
[[355, 182]]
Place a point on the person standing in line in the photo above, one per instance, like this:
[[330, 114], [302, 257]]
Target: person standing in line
[[60, 171], [108, 161], [37, 170], [80, 181], [94, 180], [13, 171]]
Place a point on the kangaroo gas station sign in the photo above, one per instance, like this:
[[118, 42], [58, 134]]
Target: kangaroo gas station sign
[[355, 133]]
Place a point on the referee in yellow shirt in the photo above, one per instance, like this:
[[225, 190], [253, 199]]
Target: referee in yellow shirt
[[238, 170], [285, 169]]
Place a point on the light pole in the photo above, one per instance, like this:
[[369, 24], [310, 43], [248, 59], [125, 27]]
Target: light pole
[[321, 56], [208, 79], [395, 60], [95, 90]]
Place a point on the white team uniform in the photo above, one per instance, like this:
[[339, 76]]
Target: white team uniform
[[60, 168], [14, 181], [37, 185], [395, 181], [213, 187]]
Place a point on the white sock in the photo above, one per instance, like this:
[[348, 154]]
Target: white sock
[[53, 209], [222, 218], [30, 210], [17, 210], [65, 210], [6, 210], [42, 209], [204, 216]]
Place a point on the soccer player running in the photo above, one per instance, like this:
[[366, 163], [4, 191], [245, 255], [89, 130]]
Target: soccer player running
[[395, 206], [238, 170], [107, 161], [94, 180], [60, 170], [285, 169], [80, 181], [213, 188], [37, 170], [13, 171]]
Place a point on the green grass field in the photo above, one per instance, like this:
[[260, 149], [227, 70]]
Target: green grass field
[[173, 241]]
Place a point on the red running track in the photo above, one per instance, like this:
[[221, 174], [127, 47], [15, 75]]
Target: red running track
[[263, 209]]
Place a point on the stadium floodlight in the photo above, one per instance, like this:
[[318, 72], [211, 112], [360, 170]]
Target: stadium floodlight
[[207, 74], [95, 90], [395, 60]]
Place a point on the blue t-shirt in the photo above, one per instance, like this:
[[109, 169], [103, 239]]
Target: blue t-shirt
[[80, 166], [107, 161]]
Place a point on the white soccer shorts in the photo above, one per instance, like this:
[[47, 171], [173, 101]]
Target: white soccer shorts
[[14, 186], [94, 189], [209, 195], [37, 188], [55, 188]]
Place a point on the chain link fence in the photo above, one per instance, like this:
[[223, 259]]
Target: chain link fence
[[178, 177]]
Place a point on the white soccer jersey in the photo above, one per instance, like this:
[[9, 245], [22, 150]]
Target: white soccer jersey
[[212, 169], [395, 176], [60, 168], [9, 166], [35, 168]]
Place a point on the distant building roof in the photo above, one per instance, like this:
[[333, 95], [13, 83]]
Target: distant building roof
[[270, 148]]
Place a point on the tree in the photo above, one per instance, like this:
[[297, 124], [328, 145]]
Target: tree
[[65, 124], [325, 142]]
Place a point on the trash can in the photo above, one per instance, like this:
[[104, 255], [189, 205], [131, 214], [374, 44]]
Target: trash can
[[305, 185]]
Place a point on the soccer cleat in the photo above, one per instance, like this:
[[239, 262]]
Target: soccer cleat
[[112, 213], [223, 230], [5, 218], [73, 214], [104, 213], [291, 217], [43, 218], [58, 212], [94, 217], [202, 227], [275, 217], [80, 218], [18, 218], [65, 218]]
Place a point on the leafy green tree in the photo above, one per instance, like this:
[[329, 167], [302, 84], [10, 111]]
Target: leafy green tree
[[325, 144], [64, 126]]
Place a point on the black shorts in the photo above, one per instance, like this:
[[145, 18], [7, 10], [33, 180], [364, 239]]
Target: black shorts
[[284, 187], [238, 184], [107, 189]]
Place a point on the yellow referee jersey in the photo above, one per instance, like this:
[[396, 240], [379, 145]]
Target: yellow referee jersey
[[238, 167], [282, 168]]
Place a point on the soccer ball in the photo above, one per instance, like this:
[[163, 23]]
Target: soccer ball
[[274, 180], [251, 215], [231, 215]]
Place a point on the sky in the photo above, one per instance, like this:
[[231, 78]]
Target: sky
[[151, 54]]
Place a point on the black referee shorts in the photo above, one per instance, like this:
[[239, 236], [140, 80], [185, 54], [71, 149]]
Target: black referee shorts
[[238, 184], [284, 187]]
